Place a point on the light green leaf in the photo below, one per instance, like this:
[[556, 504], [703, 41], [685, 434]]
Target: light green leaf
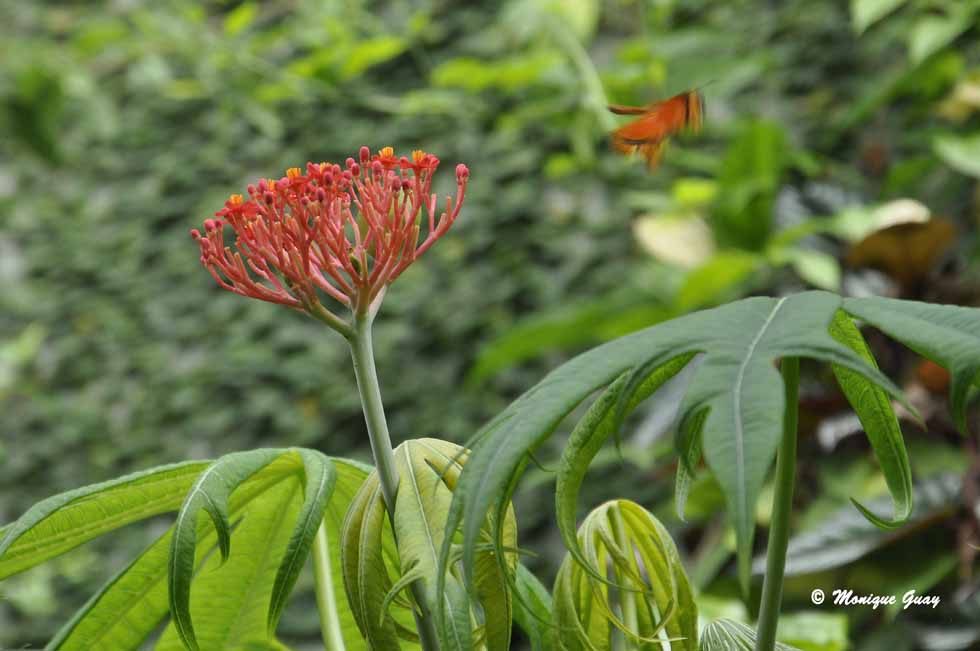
[[814, 631], [240, 18], [319, 478], [645, 577], [948, 335], [209, 493], [588, 437], [230, 595], [874, 408], [736, 383], [727, 635], [376, 574], [532, 610], [818, 269], [129, 608], [366, 578], [62, 522], [932, 33], [865, 13], [960, 153]]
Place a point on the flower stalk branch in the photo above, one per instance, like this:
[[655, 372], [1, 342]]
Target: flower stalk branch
[[343, 234], [362, 354]]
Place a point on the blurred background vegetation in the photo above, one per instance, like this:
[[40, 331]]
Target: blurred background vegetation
[[841, 151]]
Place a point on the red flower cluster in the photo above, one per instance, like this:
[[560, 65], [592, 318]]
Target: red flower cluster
[[346, 232]]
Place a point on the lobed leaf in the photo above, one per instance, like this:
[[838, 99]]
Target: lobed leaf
[[209, 493], [947, 334], [874, 409], [587, 438], [228, 614], [62, 522], [736, 386], [231, 593], [130, 607], [319, 476]]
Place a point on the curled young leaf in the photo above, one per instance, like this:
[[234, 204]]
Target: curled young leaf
[[377, 573], [626, 581]]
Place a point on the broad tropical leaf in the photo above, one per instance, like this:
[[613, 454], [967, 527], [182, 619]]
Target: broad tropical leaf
[[736, 383], [210, 493], [62, 522], [735, 397], [586, 440], [946, 334], [129, 609]]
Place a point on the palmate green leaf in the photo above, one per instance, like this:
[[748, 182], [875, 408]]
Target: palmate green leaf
[[736, 385], [728, 635], [234, 590], [131, 606], [209, 493], [874, 409], [946, 334], [62, 522], [588, 437]]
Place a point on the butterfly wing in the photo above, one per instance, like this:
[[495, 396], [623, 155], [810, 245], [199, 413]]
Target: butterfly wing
[[648, 134]]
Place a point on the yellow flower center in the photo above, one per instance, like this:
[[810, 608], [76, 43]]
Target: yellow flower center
[[293, 173], [418, 156], [235, 199], [387, 152]]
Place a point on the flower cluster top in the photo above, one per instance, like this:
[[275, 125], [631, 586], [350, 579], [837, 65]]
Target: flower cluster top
[[348, 232]]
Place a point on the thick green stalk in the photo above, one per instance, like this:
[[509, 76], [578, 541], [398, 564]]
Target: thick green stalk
[[326, 600], [782, 506], [362, 353]]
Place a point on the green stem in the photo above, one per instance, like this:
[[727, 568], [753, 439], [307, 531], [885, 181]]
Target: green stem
[[362, 353], [782, 506], [326, 600]]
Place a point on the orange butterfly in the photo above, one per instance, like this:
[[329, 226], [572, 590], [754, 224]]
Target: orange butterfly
[[660, 120]]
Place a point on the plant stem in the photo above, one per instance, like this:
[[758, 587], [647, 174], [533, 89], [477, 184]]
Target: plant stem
[[326, 600], [782, 506], [362, 353]]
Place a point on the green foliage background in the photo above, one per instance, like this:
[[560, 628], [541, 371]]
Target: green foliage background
[[124, 124]]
